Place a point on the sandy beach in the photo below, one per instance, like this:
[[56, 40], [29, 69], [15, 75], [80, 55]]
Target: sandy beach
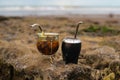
[[100, 35]]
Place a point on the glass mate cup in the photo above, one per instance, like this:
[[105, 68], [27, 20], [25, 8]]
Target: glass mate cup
[[48, 44]]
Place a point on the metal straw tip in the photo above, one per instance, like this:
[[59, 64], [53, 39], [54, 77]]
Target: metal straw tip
[[33, 25], [80, 22]]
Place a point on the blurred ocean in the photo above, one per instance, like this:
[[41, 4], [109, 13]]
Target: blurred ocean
[[53, 7], [55, 10]]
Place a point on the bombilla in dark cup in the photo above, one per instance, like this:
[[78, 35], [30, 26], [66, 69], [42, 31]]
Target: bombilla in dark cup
[[71, 48], [77, 28]]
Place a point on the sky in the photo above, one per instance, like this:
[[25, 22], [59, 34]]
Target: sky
[[101, 3]]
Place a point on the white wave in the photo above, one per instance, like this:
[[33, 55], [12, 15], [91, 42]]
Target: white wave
[[16, 8], [30, 8]]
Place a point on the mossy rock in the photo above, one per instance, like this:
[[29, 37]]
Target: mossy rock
[[101, 30]]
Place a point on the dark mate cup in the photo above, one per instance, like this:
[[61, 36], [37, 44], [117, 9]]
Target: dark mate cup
[[71, 48]]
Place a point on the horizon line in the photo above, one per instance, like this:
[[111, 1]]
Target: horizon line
[[58, 6]]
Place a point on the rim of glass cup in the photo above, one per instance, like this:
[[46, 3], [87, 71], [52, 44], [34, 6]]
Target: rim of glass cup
[[48, 34]]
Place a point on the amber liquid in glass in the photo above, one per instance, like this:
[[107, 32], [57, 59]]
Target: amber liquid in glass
[[48, 47]]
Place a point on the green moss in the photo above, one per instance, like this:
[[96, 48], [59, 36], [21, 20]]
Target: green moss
[[97, 28], [101, 30], [105, 29], [92, 28]]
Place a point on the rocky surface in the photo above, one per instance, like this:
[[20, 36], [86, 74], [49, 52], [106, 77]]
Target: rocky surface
[[20, 59]]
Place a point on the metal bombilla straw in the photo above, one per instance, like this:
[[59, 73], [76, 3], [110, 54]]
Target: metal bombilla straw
[[40, 28], [75, 36]]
